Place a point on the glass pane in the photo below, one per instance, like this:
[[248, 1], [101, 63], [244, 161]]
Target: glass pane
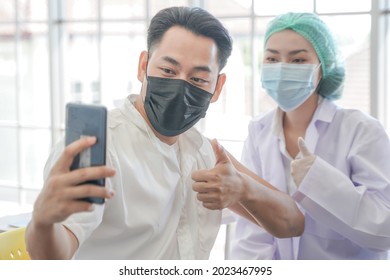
[[34, 75], [32, 9], [9, 203], [76, 9], [7, 73], [9, 156], [233, 146], [81, 63], [7, 10], [354, 41], [123, 9], [28, 198], [157, 5], [234, 103], [283, 6], [337, 6], [35, 149], [229, 7], [239, 66], [121, 45], [9, 195]]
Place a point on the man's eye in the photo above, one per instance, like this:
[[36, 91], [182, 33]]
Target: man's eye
[[167, 71], [199, 80]]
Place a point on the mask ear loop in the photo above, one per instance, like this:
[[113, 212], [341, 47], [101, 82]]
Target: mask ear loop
[[319, 81], [147, 65], [147, 128], [146, 76]]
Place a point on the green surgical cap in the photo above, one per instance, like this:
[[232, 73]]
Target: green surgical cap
[[313, 29]]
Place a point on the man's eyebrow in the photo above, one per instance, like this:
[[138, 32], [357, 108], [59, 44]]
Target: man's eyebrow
[[172, 61], [176, 63], [203, 69]]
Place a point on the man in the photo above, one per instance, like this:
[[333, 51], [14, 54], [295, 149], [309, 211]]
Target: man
[[153, 149], [151, 210]]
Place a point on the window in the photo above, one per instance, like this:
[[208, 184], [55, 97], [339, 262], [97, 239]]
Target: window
[[25, 101], [52, 52]]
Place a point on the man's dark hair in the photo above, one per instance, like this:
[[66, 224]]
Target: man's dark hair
[[196, 20]]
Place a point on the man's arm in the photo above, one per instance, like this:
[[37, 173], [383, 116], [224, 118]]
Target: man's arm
[[265, 205], [60, 197], [54, 242], [231, 185]]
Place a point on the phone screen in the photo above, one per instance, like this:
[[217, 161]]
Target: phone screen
[[84, 120]]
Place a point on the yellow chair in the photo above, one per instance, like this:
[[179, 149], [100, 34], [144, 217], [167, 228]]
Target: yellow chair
[[13, 245]]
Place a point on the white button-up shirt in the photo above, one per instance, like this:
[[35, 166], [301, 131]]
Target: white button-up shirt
[[155, 213], [345, 196]]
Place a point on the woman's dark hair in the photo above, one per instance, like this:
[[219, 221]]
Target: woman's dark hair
[[196, 20]]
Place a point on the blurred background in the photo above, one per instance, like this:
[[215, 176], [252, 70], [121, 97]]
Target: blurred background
[[56, 51]]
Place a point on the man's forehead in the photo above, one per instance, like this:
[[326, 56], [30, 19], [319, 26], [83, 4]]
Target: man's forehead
[[179, 44]]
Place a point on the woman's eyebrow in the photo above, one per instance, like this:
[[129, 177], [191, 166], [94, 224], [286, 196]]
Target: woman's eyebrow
[[272, 51], [290, 53], [298, 51]]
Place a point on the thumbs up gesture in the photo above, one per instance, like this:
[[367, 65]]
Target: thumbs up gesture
[[300, 166], [221, 186]]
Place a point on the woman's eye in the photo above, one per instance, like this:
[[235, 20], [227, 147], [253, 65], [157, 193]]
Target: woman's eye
[[271, 60], [299, 60]]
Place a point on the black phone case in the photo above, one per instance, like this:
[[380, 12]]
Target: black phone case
[[87, 120]]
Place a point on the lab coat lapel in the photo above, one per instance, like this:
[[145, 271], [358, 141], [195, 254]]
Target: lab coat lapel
[[271, 150], [311, 137], [322, 117]]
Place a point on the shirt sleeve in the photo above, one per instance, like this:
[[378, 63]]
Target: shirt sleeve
[[355, 205]]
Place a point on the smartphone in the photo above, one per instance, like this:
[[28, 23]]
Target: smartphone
[[84, 120]]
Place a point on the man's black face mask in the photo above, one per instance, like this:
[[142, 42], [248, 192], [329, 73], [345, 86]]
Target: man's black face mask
[[173, 105]]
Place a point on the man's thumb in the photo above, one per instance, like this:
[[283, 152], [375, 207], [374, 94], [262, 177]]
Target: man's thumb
[[219, 152], [303, 148]]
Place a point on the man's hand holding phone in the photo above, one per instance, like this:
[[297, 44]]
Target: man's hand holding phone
[[77, 179], [63, 189]]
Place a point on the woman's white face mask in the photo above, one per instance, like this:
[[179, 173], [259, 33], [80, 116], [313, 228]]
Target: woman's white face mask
[[289, 84]]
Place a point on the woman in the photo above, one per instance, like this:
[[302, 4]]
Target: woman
[[339, 175]]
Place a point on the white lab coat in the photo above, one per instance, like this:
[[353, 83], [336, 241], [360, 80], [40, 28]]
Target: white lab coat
[[345, 196], [155, 213]]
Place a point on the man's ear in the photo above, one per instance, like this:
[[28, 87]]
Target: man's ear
[[218, 87], [142, 64]]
